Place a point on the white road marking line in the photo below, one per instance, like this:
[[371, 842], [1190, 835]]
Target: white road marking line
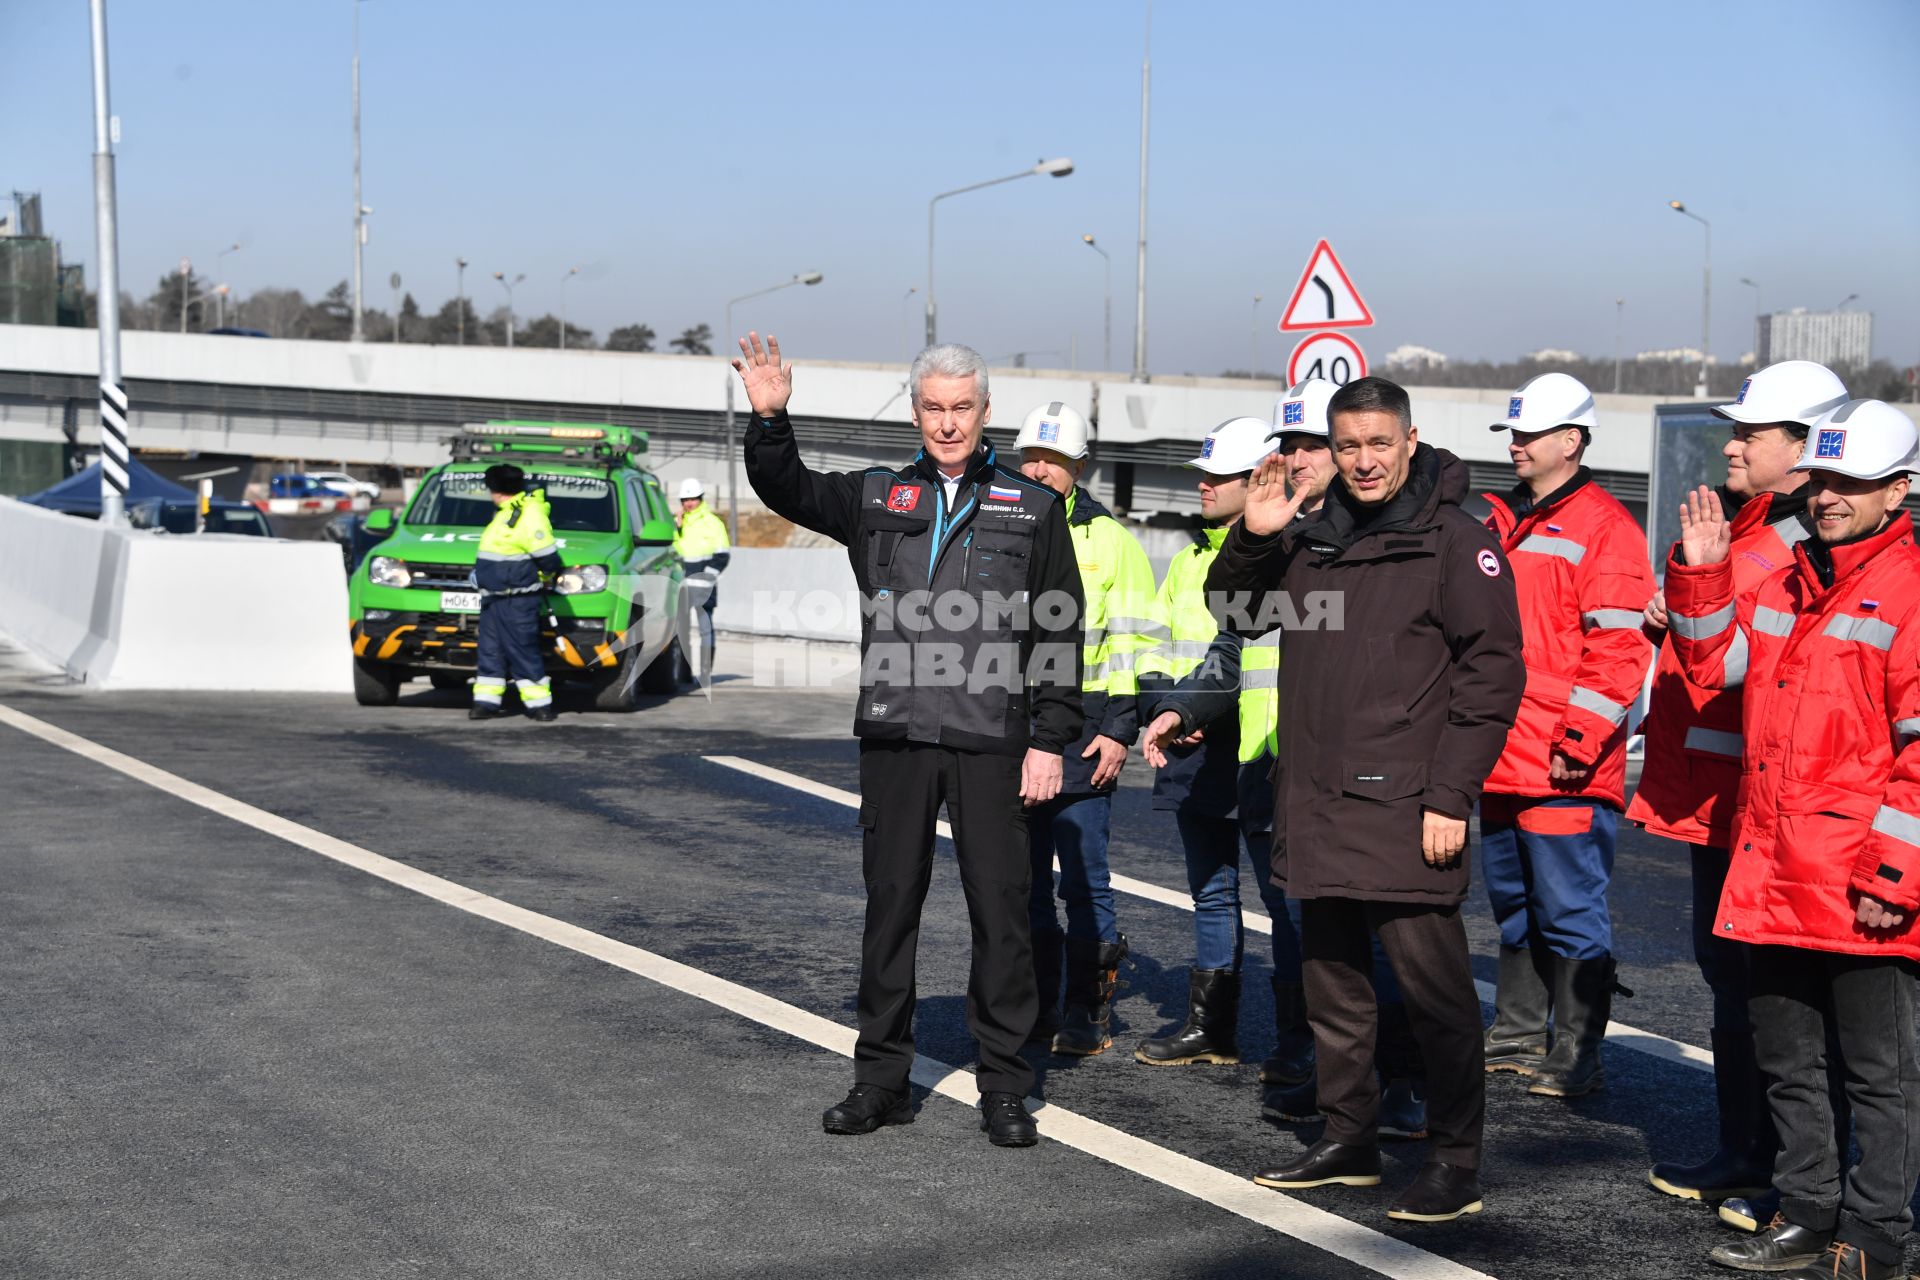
[[1328, 1232], [1656, 1046]]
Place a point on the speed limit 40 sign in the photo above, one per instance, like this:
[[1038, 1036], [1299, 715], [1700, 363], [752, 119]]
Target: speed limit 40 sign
[[1333, 356]]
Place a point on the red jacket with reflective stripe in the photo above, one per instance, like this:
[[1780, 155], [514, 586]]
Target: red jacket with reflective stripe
[[1692, 765], [1829, 803], [1580, 564]]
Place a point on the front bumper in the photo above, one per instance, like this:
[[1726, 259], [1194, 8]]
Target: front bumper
[[451, 642]]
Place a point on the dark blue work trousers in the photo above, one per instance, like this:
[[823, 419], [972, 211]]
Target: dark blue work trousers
[[1547, 864]]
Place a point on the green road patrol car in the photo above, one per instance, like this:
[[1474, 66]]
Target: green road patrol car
[[413, 606]]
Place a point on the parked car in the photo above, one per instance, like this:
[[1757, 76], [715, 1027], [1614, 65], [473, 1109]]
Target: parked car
[[176, 515], [346, 484]]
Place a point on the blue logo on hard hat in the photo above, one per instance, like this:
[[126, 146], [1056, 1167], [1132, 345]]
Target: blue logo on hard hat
[[1831, 444], [1294, 414], [1050, 432], [1206, 447], [1744, 388], [1513, 407]]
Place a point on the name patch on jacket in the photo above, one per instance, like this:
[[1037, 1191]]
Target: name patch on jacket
[[904, 497]]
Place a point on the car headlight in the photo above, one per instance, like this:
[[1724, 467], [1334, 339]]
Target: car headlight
[[581, 579], [385, 571]]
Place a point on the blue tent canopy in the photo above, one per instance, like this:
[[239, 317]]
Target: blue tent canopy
[[80, 494]]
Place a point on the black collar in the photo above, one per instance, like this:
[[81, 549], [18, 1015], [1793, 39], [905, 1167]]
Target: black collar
[[1520, 497]]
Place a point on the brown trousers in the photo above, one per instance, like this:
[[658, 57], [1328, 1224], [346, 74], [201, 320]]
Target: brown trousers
[[1427, 947]]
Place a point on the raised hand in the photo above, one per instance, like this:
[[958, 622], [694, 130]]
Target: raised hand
[[1269, 508], [1705, 533], [769, 383]]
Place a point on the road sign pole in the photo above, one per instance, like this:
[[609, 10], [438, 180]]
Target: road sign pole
[[115, 456]]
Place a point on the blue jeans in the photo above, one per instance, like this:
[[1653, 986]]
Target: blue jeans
[[1547, 864], [1073, 829], [1212, 846]]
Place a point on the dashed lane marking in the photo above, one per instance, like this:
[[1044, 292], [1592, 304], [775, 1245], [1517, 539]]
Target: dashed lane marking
[[1657, 1046], [1238, 1195]]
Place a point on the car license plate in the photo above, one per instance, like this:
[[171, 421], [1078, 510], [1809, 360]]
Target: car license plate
[[460, 602]]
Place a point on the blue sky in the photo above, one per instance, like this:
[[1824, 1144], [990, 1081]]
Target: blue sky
[[1493, 175]]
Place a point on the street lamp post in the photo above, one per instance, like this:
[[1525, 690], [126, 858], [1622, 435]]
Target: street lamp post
[[1619, 330], [360, 211], [114, 454], [507, 284], [906, 355], [460, 299], [221, 304], [1706, 293], [727, 446], [571, 273], [1140, 264], [393, 282], [1106, 350], [1054, 168], [1852, 297]]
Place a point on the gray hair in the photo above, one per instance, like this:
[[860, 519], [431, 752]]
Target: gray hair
[[948, 360]]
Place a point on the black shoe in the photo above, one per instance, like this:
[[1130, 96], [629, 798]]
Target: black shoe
[[1750, 1213], [1848, 1262], [1517, 1040], [1005, 1119], [1781, 1247], [544, 714], [1325, 1164], [1582, 1004], [1047, 951], [1292, 1104], [1440, 1193], [1211, 1031], [1741, 1167], [866, 1108], [1292, 1060], [484, 711], [1721, 1176]]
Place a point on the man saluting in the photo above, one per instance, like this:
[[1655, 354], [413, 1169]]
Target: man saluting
[[969, 691]]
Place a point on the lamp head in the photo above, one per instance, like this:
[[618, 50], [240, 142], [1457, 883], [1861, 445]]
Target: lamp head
[[810, 277], [1088, 237], [1676, 206], [1059, 168]]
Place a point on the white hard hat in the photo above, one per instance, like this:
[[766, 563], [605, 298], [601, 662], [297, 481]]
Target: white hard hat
[[1302, 409], [1234, 446], [1056, 427], [692, 488], [1791, 391], [1548, 401], [1865, 439]]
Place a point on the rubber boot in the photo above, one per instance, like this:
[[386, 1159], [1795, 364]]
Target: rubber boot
[[1742, 1166], [1582, 1004], [1046, 980], [1517, 1040], [1292, 1060], [1211, 1031], [1093, 975]]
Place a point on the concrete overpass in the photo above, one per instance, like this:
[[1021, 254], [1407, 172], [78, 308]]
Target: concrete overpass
[[371, 404]]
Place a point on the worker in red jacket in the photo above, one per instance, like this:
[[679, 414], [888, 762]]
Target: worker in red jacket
[[1692, 765], [1825, 879], [1552, 803]]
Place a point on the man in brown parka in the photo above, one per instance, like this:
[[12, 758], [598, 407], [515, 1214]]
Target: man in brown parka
[[1393, 709]]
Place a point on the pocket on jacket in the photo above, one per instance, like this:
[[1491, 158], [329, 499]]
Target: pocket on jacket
[[892, 542], [1382, 782]]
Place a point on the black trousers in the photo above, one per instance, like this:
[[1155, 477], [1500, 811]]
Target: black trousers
[[1866, 1003], [902, 785], [1427, 947]]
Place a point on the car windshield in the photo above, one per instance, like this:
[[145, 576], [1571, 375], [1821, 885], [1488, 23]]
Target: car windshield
[[177, 517], [583, 504]]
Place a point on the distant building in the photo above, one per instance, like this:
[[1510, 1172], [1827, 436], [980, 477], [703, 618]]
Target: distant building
[[1552, 355], [1414, 357], [1827, 337], [1673, 355]]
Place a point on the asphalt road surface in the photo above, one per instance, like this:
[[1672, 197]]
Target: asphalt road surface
[[295, 988]]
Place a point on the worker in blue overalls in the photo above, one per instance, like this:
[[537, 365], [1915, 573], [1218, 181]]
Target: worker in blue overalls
[[518, 557]]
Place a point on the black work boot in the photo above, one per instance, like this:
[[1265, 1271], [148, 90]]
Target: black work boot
[[484, 711], [1006, 1121], [1292, 1060], [544, 713], [866, 1108], [1844, 1261], [1211, 1031], [1781, 1247], [1582, 1004], [1517, 1040], [1093, 975], [1742, 1166], [1047, 949]]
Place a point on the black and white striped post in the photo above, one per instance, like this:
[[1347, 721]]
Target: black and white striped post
[[113, 393]]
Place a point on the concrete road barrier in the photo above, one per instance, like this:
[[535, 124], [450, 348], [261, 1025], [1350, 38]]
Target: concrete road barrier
[[804, 592], [122, 609]]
